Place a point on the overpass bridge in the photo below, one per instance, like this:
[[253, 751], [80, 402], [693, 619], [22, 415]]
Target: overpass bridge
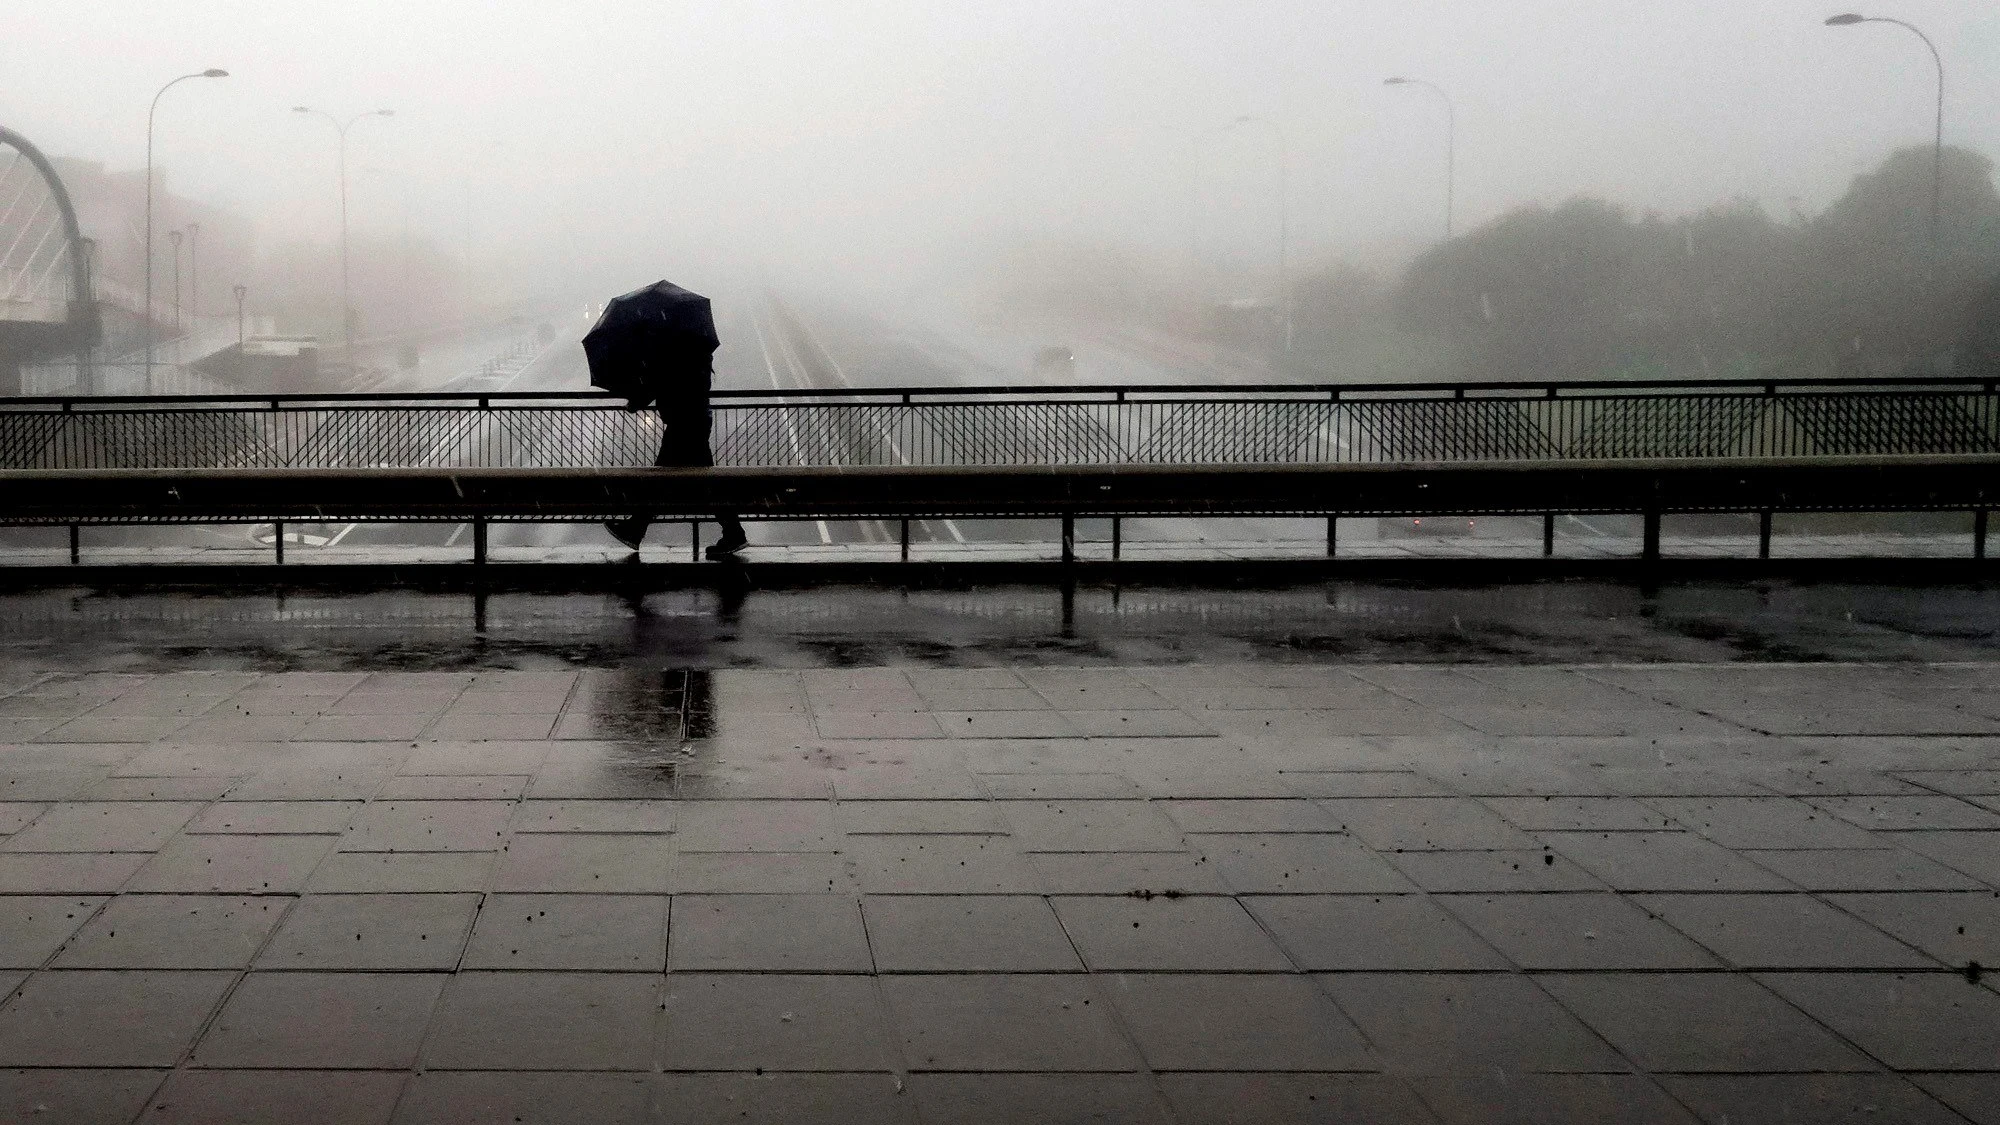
[[896, 455]]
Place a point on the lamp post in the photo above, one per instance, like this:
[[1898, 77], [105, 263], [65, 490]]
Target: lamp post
[[1849, 19], [209, 73], [341, 128], [1450, 143], [1284, 215], [174, 238], [242, 291], [194, 275]]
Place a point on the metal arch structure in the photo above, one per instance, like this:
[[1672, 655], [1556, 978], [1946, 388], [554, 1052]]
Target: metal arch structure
[[42, 250]]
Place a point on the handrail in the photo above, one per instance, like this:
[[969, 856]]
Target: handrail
[[1176, 391]]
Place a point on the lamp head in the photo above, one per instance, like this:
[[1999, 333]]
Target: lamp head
[[1845, 19], [1395, 82], [385, 113], [214, 72], [301, 109]]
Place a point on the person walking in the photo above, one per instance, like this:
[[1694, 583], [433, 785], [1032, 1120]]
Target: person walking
[[655, 347]]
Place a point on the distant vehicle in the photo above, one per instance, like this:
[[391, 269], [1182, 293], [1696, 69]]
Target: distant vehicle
[[1056, 360]]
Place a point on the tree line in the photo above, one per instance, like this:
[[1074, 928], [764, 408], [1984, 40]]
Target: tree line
[[1871, 286]]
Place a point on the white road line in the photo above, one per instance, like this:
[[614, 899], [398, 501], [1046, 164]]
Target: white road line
[[840, 375], [791, 428]]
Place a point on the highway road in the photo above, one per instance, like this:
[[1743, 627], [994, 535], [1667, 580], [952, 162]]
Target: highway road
[[782, 343]]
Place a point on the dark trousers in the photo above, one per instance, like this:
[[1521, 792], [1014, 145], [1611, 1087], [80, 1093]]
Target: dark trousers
[[682, 447]]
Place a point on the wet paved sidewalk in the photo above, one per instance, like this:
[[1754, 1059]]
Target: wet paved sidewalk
[[1258, 892]]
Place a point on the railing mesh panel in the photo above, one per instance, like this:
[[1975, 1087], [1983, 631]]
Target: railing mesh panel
[[1009, 428]]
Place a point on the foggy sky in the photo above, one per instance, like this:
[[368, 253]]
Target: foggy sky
[[564, 143]]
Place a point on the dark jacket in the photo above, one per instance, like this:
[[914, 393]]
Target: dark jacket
[[680, 394]]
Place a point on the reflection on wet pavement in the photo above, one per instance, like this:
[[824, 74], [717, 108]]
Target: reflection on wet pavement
[[853, 626]]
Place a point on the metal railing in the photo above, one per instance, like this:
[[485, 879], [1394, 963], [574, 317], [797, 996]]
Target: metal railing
[[1013, 426]]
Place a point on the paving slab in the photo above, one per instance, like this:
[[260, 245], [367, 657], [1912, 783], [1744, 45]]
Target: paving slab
[[967, 933], [1576, 931], [1977, 1096], [1810, 1099], [1702, 1022], [372, 931], [818, 933], [32, 927], [1372, 932], [774, 1021], [546, 1021], [257, 1097], [578, 932], [1249, 1021], [1026, 1023], [1467, 1024], [1002, 1099], [1909, 1021], [448, 1097], [93, 1096], [339, 1020], [1797, 931], [1161, 933], [174, 932], [1552, 1099], [107, 1019], [1423, 893], [1280, 1099], [783, 1099]]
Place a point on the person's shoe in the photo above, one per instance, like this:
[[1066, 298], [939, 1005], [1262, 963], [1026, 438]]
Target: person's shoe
[[627, 532], [725, 549]]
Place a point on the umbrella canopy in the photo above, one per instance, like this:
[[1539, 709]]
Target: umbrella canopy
[[651, 339]]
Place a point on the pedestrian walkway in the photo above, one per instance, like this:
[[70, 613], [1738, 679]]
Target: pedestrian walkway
[[1253, 892]]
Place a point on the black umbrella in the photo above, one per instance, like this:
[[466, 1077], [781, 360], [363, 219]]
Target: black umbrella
[[649, 339]]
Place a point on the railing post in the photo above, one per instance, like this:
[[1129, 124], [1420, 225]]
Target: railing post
[[1332, 535], [694, 540], [479, 540], [1764, 534], [75, 545], [1117, 537], [906, 540], [1548, 535], [1979, 534], [1649, 548], [278, 540], [1069, 538]]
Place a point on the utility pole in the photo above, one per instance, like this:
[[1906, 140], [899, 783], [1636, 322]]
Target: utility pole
[[241, 292]]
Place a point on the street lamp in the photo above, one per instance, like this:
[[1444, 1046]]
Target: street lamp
[[174, 237], [1450, 143], [209, 73], [1284, 214], [1849, 19], [194, 275], [242, 291], [341, 127]]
